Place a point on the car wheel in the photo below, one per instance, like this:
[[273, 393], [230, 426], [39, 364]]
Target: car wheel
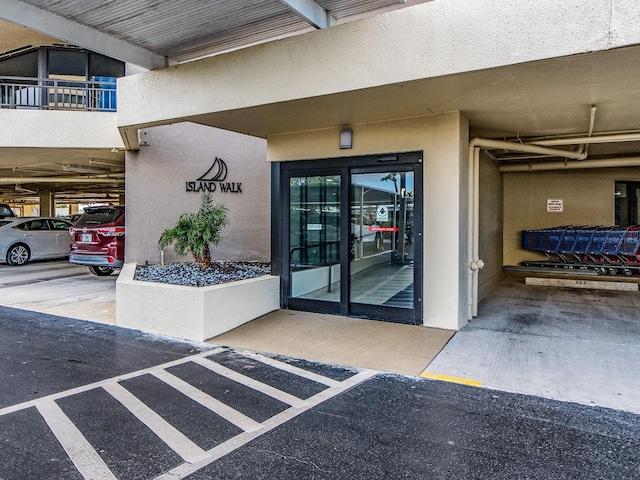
[[18, 254], [101, 271]]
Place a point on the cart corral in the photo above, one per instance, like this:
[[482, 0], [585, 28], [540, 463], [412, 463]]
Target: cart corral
[[607, 250]]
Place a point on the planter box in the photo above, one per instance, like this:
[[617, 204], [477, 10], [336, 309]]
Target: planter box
[[192, 313]]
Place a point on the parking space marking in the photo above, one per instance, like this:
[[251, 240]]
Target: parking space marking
[[186, 469], [225, 411], [290, 368], [90, 386], [250, 382], [82, 454], [174, 439], [91, 465]]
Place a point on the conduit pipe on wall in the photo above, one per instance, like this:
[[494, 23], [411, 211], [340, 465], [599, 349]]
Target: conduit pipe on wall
[[475, 263], [604, 163]]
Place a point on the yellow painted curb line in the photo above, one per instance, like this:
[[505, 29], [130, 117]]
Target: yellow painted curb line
[[447, 378]]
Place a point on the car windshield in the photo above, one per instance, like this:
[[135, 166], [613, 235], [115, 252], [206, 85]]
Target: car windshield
[[98, 216], [4, 222]]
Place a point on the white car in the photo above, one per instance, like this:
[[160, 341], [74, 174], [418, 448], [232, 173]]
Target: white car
[[33, 238]]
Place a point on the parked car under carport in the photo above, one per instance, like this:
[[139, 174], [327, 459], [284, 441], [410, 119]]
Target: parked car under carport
[[33, 238], [98, 239]]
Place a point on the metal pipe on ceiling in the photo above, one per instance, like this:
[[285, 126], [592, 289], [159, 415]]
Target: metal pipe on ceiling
[[525, 147], [624, 137], [27, 180], [545, 166]]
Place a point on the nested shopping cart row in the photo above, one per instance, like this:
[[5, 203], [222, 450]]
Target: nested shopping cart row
[[606, 249]]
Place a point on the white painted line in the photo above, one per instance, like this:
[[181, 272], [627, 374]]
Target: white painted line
[[587, 284], [292, 369], [225, 411], [82, 454], [219, 451], [91, 386], [249, 382], [170, 435]]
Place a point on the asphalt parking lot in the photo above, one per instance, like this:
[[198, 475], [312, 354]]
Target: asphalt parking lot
[[89, 400], [85, 400]]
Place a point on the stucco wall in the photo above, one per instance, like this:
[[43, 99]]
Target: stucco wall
[[588, 199], [443, 139], [156, 196], [491, 214], [430, 40]]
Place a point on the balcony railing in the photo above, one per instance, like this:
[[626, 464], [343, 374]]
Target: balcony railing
[[54, 94]]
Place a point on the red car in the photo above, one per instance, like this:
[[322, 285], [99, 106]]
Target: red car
[[97, 239]]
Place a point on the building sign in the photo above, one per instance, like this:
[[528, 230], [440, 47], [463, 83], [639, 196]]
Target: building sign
[[554, 205], [382, 214], [214, 180]]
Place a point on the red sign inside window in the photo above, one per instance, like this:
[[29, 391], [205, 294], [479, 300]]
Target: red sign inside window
[[378, 228]]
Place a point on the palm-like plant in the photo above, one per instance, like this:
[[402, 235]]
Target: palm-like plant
[[195, 231]]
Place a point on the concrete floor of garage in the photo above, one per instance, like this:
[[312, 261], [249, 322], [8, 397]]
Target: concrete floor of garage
[[572, 345], [578, 345], [58, 287]]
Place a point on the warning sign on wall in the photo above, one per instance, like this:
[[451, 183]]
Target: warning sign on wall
[[382, 214], [554, 205]]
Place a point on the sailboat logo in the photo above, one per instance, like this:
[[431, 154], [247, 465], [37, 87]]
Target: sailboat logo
[[217, 172]]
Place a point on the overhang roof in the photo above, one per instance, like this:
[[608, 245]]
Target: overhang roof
[[156, 34]]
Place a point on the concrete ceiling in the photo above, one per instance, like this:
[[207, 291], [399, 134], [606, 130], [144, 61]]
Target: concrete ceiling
[[546, 98], [154, 34], [524, 101], [75, 175], [150, 35]]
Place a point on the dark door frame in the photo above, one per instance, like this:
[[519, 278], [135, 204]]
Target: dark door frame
[[343, 166]]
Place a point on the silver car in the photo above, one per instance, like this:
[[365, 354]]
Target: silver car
[[33, 238]]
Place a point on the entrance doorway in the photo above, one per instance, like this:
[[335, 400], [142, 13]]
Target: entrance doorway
[[352, 236], [627, 204]]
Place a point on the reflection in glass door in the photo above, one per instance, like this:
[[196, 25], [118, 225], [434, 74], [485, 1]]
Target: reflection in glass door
[[351, 236], [314, 237], [381, 269]]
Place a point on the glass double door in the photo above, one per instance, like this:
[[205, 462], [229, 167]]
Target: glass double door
[[353, 245]]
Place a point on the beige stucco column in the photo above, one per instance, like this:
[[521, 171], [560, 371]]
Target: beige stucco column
[[443, 139], [47, 203]]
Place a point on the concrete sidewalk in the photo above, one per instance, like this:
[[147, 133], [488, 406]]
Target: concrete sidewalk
[[384, 346]]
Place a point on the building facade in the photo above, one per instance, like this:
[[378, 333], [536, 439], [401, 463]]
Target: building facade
[[387, 166]]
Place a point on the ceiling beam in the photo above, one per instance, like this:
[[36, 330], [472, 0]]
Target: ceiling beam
[[311, 12], [18, 12]]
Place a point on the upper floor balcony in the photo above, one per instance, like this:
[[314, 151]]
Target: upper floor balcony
[[99, 94]]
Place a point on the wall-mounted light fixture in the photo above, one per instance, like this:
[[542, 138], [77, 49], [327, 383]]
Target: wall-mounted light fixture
[[346, 138]]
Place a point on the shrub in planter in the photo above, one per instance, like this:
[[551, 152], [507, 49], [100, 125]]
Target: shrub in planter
[[195, 231]]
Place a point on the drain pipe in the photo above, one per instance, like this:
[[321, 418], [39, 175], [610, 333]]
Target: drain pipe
[[475, 263], [470, 225]]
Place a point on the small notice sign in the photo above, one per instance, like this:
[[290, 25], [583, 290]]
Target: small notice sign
[[554, 205], [382, 214]]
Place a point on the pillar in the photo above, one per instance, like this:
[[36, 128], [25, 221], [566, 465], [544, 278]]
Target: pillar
[[47, 203]]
